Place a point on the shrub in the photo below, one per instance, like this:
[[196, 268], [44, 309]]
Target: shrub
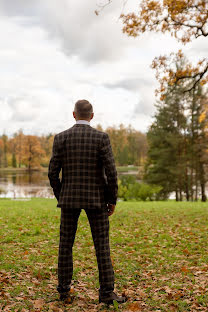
[[148, 191], [129, 189], [127, 179]]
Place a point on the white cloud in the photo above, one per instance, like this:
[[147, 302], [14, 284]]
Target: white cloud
[[24, 109], [53, 53], [75, 24]]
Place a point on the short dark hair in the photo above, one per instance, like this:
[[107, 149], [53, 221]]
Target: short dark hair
[[83, 109]]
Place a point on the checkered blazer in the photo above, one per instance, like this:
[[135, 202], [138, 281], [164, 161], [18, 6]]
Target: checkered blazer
[[89, 176]]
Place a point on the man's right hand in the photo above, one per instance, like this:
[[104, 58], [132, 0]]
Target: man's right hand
[[111, 209]]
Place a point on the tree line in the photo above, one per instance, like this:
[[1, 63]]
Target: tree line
[[34, 152]]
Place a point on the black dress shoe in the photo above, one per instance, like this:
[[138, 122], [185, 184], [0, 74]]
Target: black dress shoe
[[109, 299], [66, 297]]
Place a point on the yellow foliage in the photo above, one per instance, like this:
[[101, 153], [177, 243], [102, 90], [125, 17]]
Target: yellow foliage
[[173, 16], [202, 116]]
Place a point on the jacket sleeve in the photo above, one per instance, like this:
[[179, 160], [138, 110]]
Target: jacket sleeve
[[55, 168], [108, 161]]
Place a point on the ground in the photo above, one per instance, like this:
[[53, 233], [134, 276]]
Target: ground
[[159, 252]]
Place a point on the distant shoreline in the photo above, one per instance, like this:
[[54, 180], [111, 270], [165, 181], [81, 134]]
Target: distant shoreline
[[23, 169], [44, 169]]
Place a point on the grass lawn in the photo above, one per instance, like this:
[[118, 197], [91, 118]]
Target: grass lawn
[[159, 252]]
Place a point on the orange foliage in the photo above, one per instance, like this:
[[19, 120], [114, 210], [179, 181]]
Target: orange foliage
[[1, 144], [183, 19], [32, 151], [168, 73], [203, 118]]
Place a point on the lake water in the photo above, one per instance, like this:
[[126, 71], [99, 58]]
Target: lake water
[[22, 184], [15, 184]]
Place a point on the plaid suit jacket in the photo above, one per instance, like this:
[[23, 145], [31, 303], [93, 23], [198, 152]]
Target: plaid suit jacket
[[89, 176]]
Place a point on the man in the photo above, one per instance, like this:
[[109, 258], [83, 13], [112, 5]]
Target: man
[[89, 182]]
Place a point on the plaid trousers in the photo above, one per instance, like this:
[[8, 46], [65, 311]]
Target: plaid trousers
[[99, 224]]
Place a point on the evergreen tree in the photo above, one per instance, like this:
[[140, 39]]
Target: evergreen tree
[[166, 164], [198, 143], [177, 157]]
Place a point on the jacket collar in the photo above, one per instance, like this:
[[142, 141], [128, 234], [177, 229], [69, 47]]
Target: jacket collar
[[82, 122]]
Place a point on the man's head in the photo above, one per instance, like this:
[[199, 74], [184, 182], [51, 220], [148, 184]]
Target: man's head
[[83, 110]]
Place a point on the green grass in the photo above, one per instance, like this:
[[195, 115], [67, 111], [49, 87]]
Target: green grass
[[159, 252]]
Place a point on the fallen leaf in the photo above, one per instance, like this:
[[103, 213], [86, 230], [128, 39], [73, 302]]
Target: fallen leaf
[[38, 303], [135, 306]]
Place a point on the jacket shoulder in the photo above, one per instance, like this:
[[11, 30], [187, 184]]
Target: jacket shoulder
[[102, 136], [98, 132], [63, 134]]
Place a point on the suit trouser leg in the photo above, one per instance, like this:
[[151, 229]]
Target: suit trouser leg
[[68, 228], [99, 224]]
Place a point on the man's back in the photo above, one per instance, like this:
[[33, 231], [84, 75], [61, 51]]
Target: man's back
[[89, 182], [87, 163]]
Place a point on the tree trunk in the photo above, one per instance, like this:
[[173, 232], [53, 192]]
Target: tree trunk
[[176, 195], [202, 182], [203, 197], [181, 196]]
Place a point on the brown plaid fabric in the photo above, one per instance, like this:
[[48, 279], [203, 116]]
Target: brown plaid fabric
[[89, 182], [89, 176], [99, 224]]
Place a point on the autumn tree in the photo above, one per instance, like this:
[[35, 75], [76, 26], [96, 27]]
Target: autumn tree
[[13, 151], [99, 127], [136, 147], [1, 152], [119, 142], [4, 138], [32, 152], [171, 70], [19, 141], [129, 145], [185, 20], [46, 143]]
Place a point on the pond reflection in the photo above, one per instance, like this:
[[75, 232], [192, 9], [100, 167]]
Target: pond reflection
[[24, 184]]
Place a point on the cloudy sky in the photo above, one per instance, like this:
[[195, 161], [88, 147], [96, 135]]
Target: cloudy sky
[[54, 52]]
